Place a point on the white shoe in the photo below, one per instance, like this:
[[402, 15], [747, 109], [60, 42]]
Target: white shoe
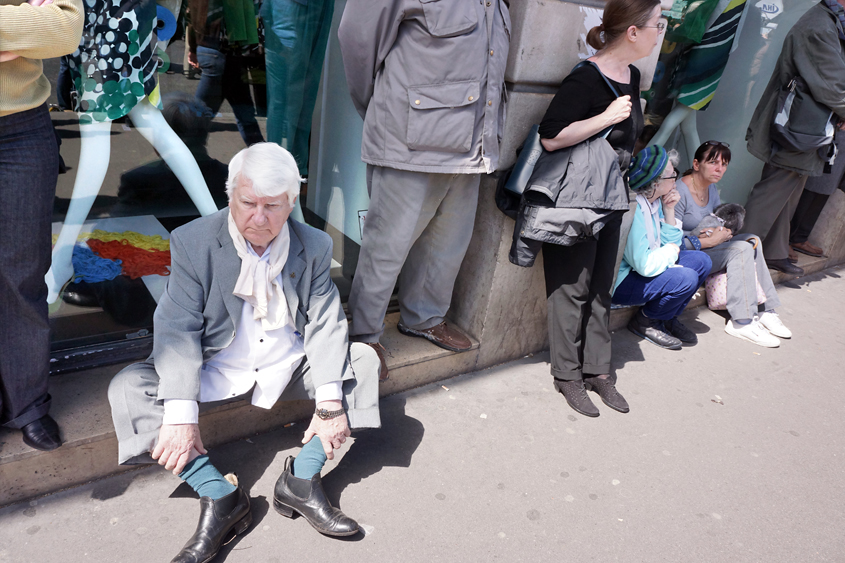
[[752, 332], [771, 322]]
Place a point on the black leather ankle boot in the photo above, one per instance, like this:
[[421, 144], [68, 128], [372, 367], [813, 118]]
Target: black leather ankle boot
[[306, 497], [220, 521]]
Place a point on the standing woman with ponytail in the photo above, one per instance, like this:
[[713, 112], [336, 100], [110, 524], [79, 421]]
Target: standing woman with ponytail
[[579, 277]]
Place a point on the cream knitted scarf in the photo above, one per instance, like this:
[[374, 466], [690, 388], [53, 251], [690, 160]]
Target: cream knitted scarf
[[259, 283]]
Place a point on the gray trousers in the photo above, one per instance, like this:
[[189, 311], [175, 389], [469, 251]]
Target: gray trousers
[[418, 229], [742, 261], [770, 207], [137, 412]]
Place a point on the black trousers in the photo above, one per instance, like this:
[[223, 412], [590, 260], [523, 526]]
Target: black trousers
[[579, 280], [807, 212], [29, 165]]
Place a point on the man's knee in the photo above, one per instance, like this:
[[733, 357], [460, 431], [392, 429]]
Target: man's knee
[[364, 360], [127, 381]]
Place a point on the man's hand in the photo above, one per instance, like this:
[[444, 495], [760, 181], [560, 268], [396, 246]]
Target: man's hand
[[714, 237], [192, 59], [177, 445], [333, 432]]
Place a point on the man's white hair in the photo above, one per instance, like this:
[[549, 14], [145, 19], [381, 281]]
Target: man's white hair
[[270, 169]]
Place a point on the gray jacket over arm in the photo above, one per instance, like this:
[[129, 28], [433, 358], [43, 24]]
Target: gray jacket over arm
[[811, 49], [198, 314], [428, 77]]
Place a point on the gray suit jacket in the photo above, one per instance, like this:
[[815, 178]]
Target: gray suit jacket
[[198, 314]]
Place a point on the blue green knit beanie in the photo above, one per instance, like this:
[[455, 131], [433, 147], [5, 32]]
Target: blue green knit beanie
[[647, 166]]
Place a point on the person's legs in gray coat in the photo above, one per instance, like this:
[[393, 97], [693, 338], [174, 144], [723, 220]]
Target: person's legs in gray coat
[[419, 224]]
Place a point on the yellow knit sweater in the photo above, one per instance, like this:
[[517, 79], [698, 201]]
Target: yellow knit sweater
[[34, 33]]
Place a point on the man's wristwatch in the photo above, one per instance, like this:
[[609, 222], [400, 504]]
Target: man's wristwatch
[[327, 414]]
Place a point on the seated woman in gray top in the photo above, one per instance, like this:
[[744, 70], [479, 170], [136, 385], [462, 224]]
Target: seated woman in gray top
[[699, 197]]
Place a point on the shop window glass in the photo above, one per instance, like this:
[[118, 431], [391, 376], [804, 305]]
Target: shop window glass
[[156, 118]]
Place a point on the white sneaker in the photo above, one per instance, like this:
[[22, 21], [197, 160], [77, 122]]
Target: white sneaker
[[752, 332], [771, 322]]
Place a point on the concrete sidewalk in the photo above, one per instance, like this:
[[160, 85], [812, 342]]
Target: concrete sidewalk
[[731, 452]]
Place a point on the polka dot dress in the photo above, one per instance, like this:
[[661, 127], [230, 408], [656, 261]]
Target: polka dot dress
[[114, 67]]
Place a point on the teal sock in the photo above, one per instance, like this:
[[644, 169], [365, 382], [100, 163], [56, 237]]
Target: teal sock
[[310, 460], [204, 478]]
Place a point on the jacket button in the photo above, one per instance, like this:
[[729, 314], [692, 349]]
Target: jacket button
[[471, 98], [491, 51], [489, 102], [417, 102], [488, 4]]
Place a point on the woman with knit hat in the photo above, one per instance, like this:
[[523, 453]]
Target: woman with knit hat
[[655, 272]]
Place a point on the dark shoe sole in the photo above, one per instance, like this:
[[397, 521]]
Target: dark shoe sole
[[647, 339], [576, 409], [411, 332], [807, 252], [40, 448], [290, 512], [778, 268], [238, 529]]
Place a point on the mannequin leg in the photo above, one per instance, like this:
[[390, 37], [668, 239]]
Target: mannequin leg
[[151, 124], [93, 164], [689, 129], [678, 114]]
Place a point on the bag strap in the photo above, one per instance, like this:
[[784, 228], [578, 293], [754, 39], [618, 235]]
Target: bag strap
[[607, 81]]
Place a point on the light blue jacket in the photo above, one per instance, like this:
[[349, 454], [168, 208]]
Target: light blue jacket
[[639, 257]]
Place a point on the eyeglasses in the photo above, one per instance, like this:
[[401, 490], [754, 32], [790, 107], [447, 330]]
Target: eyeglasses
[[659, 27], [717, 144], [673, 177]]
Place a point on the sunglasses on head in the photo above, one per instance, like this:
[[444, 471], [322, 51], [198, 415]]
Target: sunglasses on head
[[717, 144]]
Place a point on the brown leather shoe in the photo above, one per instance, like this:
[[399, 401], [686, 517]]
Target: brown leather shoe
[[808, 249], [445, 336], [382, 372]]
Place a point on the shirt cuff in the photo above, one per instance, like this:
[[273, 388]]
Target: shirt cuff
[[331, 391], [692, 243], [181, 411]]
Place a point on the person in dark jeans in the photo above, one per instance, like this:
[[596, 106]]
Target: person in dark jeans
[[655, 272], [223, 78], [215, 45], [29, 167]]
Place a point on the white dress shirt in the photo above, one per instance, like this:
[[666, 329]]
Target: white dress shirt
[[263, 360]]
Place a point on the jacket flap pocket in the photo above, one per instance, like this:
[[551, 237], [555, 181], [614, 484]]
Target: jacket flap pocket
[[452, 95], [448, 18]]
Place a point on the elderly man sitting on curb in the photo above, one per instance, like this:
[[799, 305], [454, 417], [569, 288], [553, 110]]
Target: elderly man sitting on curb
[[249, 306]]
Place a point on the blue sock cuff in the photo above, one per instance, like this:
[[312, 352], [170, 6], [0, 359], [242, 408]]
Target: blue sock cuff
[[193, 466], [310, 460], [204, 478]]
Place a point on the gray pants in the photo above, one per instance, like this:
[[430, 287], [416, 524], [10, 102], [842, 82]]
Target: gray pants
[[770, 207], [742, 261], [418, 229], [137, 412]]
